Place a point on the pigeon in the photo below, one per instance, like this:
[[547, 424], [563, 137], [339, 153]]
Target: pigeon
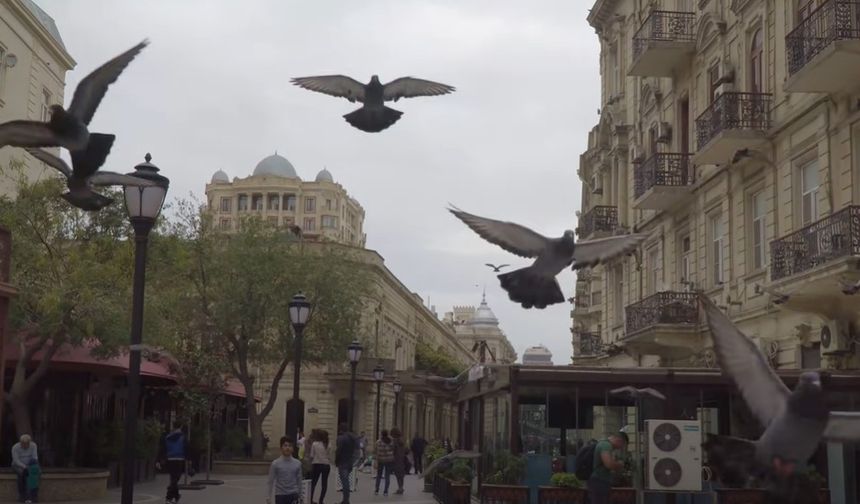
[[373, 116], [85, 174], [639, 393], [795, 422], [497, 269], [447, 460], [535, 286], [68, 128]]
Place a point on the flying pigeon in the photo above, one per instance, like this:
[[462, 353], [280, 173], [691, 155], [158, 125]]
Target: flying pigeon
[[639, 393], [795, 422], [68, 128], [497, 269], [447, 460], [373, 116], [85, 174], [535, 285]]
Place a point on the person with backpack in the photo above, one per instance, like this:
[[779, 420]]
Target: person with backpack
[[174, 457], [344, 458], [595, 464]]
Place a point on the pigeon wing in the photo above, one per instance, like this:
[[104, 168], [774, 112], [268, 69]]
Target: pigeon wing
[[591, 252], [333, 85], [52, 161], [740, 359], [410, 87], [92, 89], [843, 426], [514, 238], [104, 178], [27, 134], [88, 161]]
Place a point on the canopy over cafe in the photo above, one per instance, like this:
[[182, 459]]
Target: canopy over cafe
[[547, 413]]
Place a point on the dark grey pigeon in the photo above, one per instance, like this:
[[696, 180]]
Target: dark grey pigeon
[[68, 128], [373, 116], [497, 269], [536, 286], [794, 422], [85, 174]]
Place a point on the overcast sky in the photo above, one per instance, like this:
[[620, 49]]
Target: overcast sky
[[212, 92]]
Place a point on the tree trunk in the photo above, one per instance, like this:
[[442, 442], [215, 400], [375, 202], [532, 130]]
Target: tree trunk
[[21, 415], [255, 421]]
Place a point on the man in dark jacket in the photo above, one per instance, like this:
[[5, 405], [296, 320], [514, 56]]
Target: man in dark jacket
[[418, 446], [174, 456], [344, 458]]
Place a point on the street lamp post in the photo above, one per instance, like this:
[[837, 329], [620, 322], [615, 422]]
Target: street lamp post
[[143, 204], [397, 388], [378, 376], [300, 310], [354, 353]]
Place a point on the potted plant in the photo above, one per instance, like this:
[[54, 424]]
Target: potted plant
[[566, 489], [821, 483], [503, 481], [434, 451], [457, 483]]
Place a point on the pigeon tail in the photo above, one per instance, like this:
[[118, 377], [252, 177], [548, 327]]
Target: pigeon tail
[[89, 160], [373, 119], [731, 459], [531, 289]]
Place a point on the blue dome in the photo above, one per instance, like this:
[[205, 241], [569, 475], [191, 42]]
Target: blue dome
[[277, 166]]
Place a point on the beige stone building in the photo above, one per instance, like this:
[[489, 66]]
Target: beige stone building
[[478, 330], [33, 66], [537, 355], [729, 130]]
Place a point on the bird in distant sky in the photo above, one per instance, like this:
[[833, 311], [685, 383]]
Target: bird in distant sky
[[497, 269], [373, 116]]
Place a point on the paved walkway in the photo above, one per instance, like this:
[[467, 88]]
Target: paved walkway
[[252, 490]]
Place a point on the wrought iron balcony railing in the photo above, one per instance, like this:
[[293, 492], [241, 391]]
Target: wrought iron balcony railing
[[599, 218], [833, 20], [662, 169], [666, 26], [590, 344], [666, 307], [837, 235], [745, 111]]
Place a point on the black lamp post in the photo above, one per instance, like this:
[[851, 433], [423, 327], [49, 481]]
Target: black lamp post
[[378, 376], [143, 205], [354, 353], [397, 388], [300, 310]]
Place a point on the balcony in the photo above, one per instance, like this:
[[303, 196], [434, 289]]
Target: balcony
[[818, 254], [662, 181], [734, 121], [666, 323], [600, 221], [663, 43], [823, 52], [590, 344]]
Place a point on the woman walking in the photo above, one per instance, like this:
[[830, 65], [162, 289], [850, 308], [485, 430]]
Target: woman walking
[[399, 452], [384, 459], [320, 463]]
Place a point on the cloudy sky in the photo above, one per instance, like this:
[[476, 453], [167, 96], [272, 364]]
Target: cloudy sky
[[212, 92]]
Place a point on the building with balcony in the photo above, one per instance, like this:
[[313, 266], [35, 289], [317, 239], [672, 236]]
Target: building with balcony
[[730, 131]]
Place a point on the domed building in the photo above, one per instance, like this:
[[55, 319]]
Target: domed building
[[479, 330], [274, 191]]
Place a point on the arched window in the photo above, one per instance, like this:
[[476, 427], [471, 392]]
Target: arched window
[[756, 63]]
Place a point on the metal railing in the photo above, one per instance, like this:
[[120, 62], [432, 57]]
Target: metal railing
[[662, 169], [750, 111], [831, 21], [590, 344], [667, 307], [837, 235], [665, 26], [599, 218]]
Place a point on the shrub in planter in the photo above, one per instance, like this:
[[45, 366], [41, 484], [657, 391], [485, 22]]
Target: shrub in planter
[[566, 489], [566, 480], [502, 484], [460, 472]]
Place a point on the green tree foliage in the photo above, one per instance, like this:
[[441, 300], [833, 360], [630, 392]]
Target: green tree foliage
[[437, 361]]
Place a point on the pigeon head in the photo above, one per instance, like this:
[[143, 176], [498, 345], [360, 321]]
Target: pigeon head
[[810, 379], [569, 236], [374, 79]]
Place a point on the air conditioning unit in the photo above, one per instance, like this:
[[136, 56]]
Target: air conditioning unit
[[835, 337], [674, 455], [664, 132]]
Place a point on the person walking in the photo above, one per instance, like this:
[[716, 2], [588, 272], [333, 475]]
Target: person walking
[[300, 445], [399, 463], [344, 458], [24, 453], [384, 461], [418, 445], [604, 465], [320, 463], [285, 476], [174, 456]]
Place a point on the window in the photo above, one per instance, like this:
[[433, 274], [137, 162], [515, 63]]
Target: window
[[243, 202], [310, 224], [257, 202], [809, 193], [615, 86], [804, 9], [328, 221], [329, 205], [618, 292], [226, 204], [756, 56], [716, 252], [714, 80], [274, 202], [653, 267], [758, 225], [46, 104], [224, 224], [310, 205], [290, 202], [684, 265], [288, 221]]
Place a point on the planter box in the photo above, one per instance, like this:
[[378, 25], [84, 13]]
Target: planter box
[[561, 495], [447, 492], [622, 495], [510, 494], [824, 496], [741, 496], [242, 467], [60, 485]]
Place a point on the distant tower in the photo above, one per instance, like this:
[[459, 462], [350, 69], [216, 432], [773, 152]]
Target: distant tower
[[537, 356]]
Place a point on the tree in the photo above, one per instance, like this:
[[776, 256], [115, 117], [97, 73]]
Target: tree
[[242, 285], [73, 274]]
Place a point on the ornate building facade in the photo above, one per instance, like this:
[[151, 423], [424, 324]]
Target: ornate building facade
[[729, 130], [478, 330]]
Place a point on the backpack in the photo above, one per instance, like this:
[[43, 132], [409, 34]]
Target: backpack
[[585, 461]]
